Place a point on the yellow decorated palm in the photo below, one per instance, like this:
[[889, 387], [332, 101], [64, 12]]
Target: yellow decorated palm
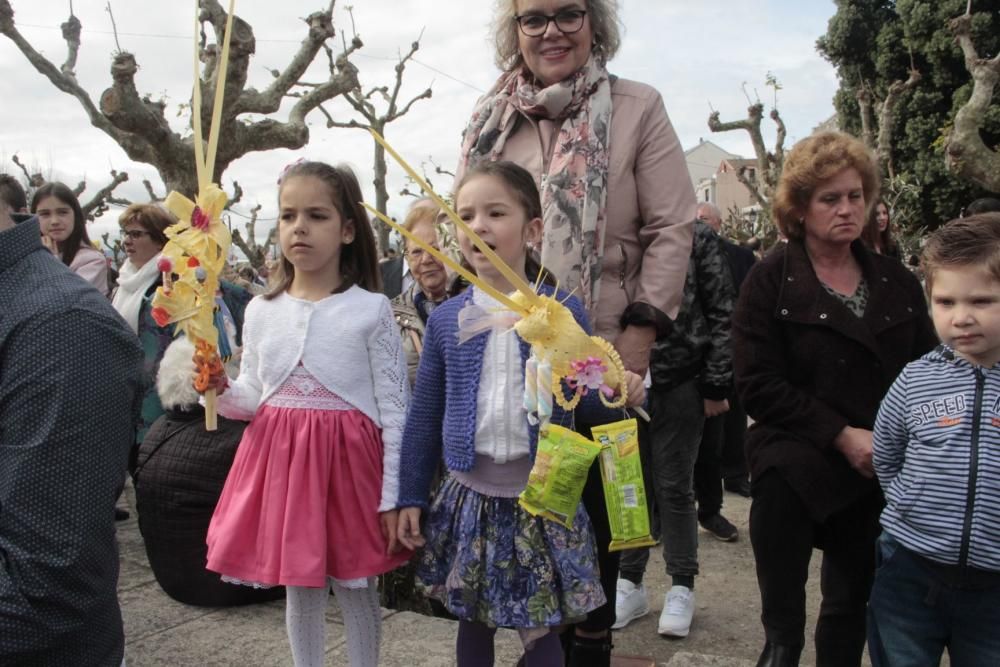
[[198, 244]]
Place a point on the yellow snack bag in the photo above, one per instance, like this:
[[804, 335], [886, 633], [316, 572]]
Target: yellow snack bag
[[555, 484], [624, 491]]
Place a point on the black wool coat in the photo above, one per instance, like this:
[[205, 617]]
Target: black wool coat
[[178, 480], [806, 367]]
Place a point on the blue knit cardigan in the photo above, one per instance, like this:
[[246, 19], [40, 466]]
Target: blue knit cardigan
[[442, 413]]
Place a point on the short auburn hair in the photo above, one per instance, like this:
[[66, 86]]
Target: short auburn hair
[[151, 217], [811, 163], [974, 240]]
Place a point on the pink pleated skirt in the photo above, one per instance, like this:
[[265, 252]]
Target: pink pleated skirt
[[301, 501]]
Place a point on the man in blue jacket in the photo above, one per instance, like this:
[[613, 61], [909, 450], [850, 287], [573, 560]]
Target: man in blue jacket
[[69, 387]]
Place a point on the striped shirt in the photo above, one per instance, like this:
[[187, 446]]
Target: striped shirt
[[937, 456]]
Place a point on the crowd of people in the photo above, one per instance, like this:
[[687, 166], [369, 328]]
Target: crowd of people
[[360, 436]]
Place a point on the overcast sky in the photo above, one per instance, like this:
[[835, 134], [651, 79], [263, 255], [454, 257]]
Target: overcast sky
[[698, 55]]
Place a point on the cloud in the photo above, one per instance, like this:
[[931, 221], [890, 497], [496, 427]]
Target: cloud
[[696, 54]]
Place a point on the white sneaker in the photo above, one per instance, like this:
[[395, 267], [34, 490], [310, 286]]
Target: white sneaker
[[678, 610], [631, 603]]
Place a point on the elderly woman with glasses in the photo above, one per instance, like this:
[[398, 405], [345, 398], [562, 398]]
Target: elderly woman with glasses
[[430, 283], [618, 206]]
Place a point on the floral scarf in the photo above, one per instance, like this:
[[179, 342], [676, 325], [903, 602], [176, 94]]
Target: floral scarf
[[575, 187]]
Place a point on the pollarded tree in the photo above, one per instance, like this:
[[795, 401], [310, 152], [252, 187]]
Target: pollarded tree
[[966, 153], [138, 123], [877, 43]]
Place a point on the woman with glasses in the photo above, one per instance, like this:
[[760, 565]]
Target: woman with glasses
[[64, 233], [143, 237], [430, 283], [618, 204]]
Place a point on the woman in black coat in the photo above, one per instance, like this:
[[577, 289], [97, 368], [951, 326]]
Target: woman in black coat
[[821, 330], [179, 475]]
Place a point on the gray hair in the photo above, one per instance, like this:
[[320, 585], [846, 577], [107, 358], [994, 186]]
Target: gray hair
[[711, 208], [604, 23]]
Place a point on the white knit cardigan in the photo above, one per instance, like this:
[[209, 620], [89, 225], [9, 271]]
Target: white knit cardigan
[[349, 342]]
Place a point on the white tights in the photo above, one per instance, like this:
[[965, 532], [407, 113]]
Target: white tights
[[305, 616]]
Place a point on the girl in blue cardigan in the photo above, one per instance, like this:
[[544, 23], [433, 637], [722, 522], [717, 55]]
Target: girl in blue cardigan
[[486, 559]]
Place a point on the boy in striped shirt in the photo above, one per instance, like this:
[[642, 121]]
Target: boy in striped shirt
[[937, 457]]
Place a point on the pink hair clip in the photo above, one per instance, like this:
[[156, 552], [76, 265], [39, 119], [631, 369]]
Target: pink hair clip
[[289, 167]]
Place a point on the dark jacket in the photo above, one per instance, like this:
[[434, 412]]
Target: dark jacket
[[698, 345], [70, 382], [806, 367], [178, 480], [392, 277], [741, 260]]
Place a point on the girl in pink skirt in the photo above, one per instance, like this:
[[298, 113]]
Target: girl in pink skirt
[[309, 501]]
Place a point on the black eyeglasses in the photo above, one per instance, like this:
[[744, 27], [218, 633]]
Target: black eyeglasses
[[134, 233], [568, 21]]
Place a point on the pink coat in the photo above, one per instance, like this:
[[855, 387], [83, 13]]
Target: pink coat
[[650, 208], [91, 265]]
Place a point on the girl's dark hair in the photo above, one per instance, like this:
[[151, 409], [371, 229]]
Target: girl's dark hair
[[359, 258], [78, 237], [880, 241], [522, 185]]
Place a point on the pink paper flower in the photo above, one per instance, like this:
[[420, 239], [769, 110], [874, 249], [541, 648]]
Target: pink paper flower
[[588, 375], [199, 220]]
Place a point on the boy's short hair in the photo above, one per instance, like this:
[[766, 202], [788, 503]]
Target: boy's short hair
[[12, 193], [964, 242]]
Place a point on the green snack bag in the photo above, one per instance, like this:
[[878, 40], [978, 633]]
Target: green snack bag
[[624, 491], [555, 484]]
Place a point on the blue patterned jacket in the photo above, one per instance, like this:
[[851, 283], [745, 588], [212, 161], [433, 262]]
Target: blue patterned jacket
[[442, 415]]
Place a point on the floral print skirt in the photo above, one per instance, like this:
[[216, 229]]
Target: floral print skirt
[[488, 560]]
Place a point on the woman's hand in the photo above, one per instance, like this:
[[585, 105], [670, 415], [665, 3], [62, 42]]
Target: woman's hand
[[856, 446], [636, 389], [217, 381], [716, 408], [389, 522], [633, 345], [50, 244], [408, 528]]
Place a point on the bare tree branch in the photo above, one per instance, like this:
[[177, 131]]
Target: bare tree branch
[[769, 165], [887, 118], [117, 251], [98, 204], [138, 124], [136, 148], [269, 100], [237, 195], [153, 197], [966, 154], [362, 103], [255, 253], [34, 180], [864, 97], [71, 33]]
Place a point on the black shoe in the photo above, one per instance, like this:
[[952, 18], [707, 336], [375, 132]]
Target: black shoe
[[720, 528], [587, 652], [121, 515], [737, 485], [779, 655]]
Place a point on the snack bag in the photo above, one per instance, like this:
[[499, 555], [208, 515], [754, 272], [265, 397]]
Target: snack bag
[[624, 491], [556, 481]]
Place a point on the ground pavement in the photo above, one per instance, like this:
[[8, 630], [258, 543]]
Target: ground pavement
[[726, 630]]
